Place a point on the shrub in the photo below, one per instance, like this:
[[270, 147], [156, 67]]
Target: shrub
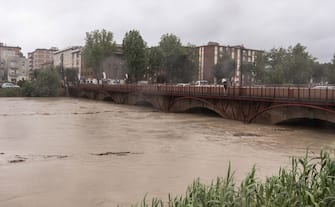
[[47, 83]]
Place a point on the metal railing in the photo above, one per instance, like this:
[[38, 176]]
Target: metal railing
[[326, 95]]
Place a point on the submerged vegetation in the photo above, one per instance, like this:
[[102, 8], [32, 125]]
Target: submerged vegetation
[[309, 182]]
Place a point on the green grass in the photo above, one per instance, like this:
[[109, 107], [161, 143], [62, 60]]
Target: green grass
[[310, 181]]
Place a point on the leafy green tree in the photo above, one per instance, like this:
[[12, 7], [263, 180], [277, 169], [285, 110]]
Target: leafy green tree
[[47, 83], [300, 70], [289, 66], [261, 75], [278, 62], [218, 71], [134, 50], [99, 45], [248, 73], [155, 59], [224, 68], [71, 74], [319, 72], [177, 63], [331, 72]]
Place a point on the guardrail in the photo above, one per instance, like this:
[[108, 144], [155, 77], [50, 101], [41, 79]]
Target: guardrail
[[273, 93]]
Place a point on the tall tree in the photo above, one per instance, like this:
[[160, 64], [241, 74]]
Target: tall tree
[[261, 75], [177, 63], [331, 72], [300, 70], [155, 59], [98, 46], [224, 68], [134, 50]]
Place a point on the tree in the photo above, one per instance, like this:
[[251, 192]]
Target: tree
[[331, 72], [261, 75], [248, 72], [154, 61], [71, 75], [47, 83], [134, 50], [98, 46], [224, 68], [289, 66], [300, 70], [177, 63]]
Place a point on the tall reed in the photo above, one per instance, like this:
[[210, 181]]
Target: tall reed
[[309, 182]]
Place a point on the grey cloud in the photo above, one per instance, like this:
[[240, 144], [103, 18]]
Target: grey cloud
[[259, 24]]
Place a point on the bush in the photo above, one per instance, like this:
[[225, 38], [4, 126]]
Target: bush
[[309, 182], [47, 83], [10, 92]]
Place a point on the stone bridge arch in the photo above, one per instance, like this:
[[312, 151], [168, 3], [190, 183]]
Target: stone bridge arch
[[183, 104], [158, 102], [284, 112]]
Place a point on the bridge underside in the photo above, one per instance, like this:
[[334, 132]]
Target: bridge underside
[[241, 110]]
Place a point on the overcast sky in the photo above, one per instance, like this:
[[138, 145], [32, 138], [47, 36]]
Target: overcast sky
[[257, 24]]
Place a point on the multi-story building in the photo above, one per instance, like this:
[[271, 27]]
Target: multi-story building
[[17, 69], [68, 58], [12, 63], [41, 58], [210, 54]]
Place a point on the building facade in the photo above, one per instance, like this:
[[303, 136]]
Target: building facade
[[69, 58], [13, 65], [17, 69], [210, 54], [41, 58]]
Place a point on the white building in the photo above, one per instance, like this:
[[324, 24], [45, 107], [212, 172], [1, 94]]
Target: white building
[[13, 65], [69, 58], [17, 69]]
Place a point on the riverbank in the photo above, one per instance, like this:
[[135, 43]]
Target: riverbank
[[309, 182]]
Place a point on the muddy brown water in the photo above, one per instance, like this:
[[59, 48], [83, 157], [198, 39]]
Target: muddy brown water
[[83, 153]]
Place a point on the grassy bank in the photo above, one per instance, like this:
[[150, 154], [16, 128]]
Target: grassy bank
[[310, 181]]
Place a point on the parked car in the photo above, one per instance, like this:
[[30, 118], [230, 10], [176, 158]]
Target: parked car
[[183, 84], [201, 82], [9, 85], [324, 87], [113, 82]]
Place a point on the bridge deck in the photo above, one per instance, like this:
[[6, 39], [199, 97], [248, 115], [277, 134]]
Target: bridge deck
[[281, 94]]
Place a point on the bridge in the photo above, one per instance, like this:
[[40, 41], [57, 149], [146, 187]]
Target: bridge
[[270, 105]]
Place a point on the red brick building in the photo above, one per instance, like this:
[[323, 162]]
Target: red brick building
[[210, 54]]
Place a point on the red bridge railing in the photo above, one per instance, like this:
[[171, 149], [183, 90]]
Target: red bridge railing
[[326, 95]]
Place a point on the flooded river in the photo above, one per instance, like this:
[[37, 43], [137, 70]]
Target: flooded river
[[83, 153]]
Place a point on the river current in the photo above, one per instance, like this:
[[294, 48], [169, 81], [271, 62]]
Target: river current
[[83, 153]]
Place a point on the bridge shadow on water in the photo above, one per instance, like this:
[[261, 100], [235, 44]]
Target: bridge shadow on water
[[144, 104], [311, 124], [203, 112]]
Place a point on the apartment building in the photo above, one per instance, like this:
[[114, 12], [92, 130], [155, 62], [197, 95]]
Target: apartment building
[[68, 58], [210, 54], [41, 58], [17, 69], [12, 63]]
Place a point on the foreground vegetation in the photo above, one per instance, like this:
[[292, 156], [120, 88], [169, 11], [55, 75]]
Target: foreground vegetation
[[309, 182], [46, 83]]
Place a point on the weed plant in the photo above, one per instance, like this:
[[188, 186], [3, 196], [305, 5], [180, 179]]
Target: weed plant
[[309, 182]]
